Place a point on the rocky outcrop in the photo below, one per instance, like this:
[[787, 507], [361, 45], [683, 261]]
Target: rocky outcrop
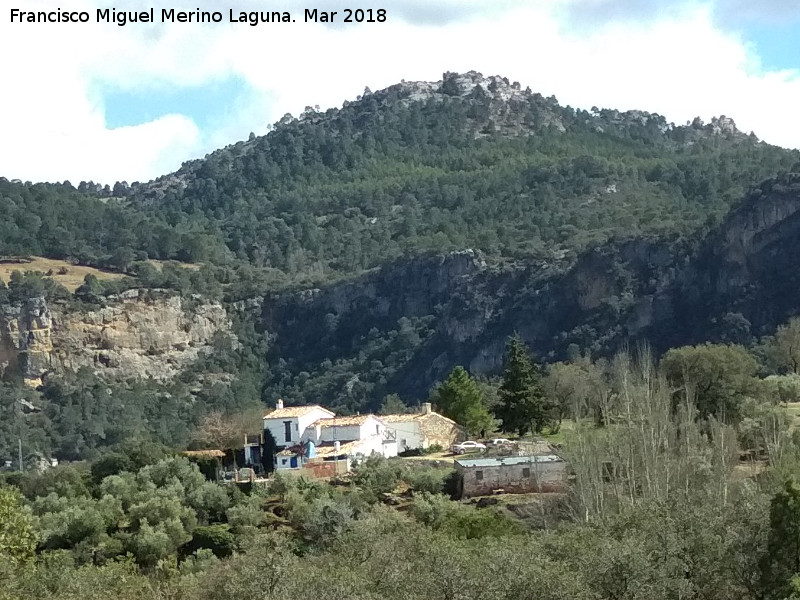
[[137, 335], [749, 265], [25, 338]]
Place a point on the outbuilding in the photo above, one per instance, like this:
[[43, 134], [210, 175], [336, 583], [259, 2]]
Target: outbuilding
[[511, 474]]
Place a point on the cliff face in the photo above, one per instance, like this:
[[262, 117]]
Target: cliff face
[[749, 265], [667, 292], [137, 335], [404, 326]]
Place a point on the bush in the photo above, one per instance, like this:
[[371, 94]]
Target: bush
[[435, 448], [217, 538], [112, 463], [465, 522], [428, 479], [376, 476]]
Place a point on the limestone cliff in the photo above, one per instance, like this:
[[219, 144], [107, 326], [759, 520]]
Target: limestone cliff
[[136, 335]]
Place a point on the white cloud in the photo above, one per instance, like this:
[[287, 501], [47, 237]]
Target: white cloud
[[52, 118]]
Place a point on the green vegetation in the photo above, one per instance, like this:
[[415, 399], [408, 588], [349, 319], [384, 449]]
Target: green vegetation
[[330, 195], [660, 504], [523, 404], [460, 398], [655, 509]]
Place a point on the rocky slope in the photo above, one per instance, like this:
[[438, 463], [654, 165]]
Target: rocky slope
[[667, 292], [404, 326], [138, 334]]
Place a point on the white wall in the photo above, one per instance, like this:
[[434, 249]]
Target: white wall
[[345, 433], [409, 431], [276, 428], [374, 444], [299, 425], [308, 418]]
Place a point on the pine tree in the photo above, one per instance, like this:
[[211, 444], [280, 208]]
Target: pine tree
[[523, 406], [460, 398]]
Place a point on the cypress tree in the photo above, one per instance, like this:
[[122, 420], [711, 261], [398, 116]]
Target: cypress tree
[[523, 406]]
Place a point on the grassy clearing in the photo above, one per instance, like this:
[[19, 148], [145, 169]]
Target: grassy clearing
[[69, 275]]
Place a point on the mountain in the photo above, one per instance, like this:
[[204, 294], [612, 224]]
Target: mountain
[[466, 162], [366, 250]]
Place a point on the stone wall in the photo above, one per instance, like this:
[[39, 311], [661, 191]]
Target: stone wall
[[439, 430], [518, 478]]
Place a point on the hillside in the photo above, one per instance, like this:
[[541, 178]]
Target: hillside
[[71, 276], [367, 250], [467, 162]]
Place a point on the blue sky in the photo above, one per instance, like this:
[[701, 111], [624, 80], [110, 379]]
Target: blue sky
[[777, 44], [205, 104], [107, 103]]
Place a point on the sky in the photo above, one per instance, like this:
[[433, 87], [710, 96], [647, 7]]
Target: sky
[[96, 101]]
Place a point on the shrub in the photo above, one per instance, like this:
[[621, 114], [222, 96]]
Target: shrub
[[217, 538], [428, 479], [376, 476]]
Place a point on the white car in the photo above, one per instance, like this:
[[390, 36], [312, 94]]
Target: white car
[[468, 446], [499, 442]]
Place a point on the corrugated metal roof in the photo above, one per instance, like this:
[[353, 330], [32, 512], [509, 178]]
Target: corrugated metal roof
[[507, 460]]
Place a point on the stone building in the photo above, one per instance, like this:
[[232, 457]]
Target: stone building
[[423, 429], [511, 474]]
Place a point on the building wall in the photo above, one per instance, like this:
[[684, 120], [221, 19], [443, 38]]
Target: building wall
[[341, 433], [367, 446], [371, 426], [299, 426], [439, 430], [308, 418], [316, 467], [543, 477], [389, 447], [409, 434]]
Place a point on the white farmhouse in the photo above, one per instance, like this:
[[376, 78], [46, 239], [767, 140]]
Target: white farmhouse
[[364, 434], [287, 425], [306, 441]]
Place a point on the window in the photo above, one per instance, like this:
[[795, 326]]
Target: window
[[287, 430], [478, 475], [526, 472]]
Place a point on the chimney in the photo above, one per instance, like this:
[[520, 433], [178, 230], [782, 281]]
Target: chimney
[[279, 404], [426, 408], [337, 447]]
